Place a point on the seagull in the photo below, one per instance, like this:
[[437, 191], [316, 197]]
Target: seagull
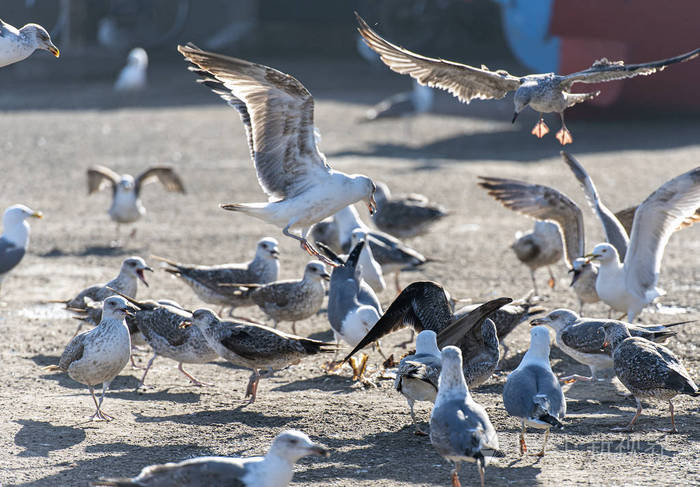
[[15, 237], [278, 114], [540, 247], [160, 324], [132, 77], [326, 232], [18, 44], [544, 93], [126, 282], [97, 356], [423, 305], [253, 346], [370, 269], [293, 300], [126, 190], [417, 374], [630, 285], [647, 370], [579, 339], [405, 216], [532, 391], [460, 429], [275, 469], [212, 284]]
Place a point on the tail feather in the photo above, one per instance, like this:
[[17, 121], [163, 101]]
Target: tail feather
[[257, 210], [312, 347], [548, 418]]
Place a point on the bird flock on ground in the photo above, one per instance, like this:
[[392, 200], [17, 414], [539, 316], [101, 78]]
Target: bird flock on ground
[[456, 350]]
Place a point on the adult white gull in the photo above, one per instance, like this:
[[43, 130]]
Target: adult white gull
[[544, 93], [278, 114], [133, 77], [15, 237], [18, 44], [630, 285]]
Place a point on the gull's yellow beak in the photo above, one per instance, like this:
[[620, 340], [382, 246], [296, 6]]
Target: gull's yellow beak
[[53, 50], [37, 214]]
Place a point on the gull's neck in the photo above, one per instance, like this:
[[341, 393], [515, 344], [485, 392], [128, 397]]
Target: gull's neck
[[452, 385], [538, 354], [273, 470], [18, 234]]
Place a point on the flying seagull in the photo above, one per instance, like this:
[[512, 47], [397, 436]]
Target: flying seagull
[[18, 44], [15, 237], [278, 114], [126, 190], [647, 370], [274, 469], [544, 93], [630, 285]]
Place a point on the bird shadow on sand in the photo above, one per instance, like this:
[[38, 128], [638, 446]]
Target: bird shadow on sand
[[39, 438], [94, 250], [122, 382], [332, 383], [158, 395], [224, 416]]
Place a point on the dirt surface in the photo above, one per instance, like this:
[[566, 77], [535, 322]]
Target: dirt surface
[[45, 438]]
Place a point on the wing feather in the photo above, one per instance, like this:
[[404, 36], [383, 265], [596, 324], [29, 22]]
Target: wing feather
[[100, 177], [166, 175]]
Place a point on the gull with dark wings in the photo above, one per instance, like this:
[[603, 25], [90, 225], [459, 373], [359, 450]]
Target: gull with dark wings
[[543, 92], [278, 114]]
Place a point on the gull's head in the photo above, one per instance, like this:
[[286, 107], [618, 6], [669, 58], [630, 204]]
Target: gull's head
[[16, 214], [292, 445], [137, 57], [521, 100], [426, 343], [615, 333], [116, 307], [39, 38], [357, 235], [202, 318], [268, 248], [451, 375], [127, 183], [382, 192], [134, 266], [557, 319], [315, 270], [366, 189], [577, 267], [604, 252], [539, 339]]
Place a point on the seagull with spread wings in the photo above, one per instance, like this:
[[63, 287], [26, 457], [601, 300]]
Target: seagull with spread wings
[[126, 190], [544, 93], [278, 114]]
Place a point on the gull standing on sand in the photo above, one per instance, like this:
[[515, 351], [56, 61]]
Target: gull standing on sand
[[15, 237], [405, 216], [97, 356], [293, 300], [18, 44], [275, 469], [278, 114], [126, 190], [254, 347], [133, 77], [647, 370], [579, 339], [532, 391], [630, 285], [460, 429], [540, 247], [544, 93], [211, 283]]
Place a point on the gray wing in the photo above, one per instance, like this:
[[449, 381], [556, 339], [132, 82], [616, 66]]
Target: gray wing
[[164, 323], [387, 252], [626, 217], [72, 352], [277, 294], [523, 385], [654, 222], [463, 81], [584, 336], [165, 174], [197, 472], [10, 255], [605, 70], [469, 324], [542, 203], [92, 292], [615, 233], [461, 427], [100, 177], [254, 342], [281, 112]]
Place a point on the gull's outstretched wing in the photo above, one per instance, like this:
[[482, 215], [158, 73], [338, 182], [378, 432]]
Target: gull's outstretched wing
[[100, 177], [279, 119], [165, 174], [615, 233], [463, 81], [605, 70], [654, 222], [542, 203], [626, 217]]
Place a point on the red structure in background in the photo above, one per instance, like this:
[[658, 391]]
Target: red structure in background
[[634, 31]]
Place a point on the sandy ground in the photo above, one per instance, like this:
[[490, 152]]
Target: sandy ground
[[45, 438]]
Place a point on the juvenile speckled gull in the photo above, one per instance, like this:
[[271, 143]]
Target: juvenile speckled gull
[[544, 93], [647, 370], [532, 392], [18, 44], [212, 283], [460, 429], [540, 247], [97, 356], [278, 114], [275, 469], [578, 338], [631, 285], [15, 237]]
